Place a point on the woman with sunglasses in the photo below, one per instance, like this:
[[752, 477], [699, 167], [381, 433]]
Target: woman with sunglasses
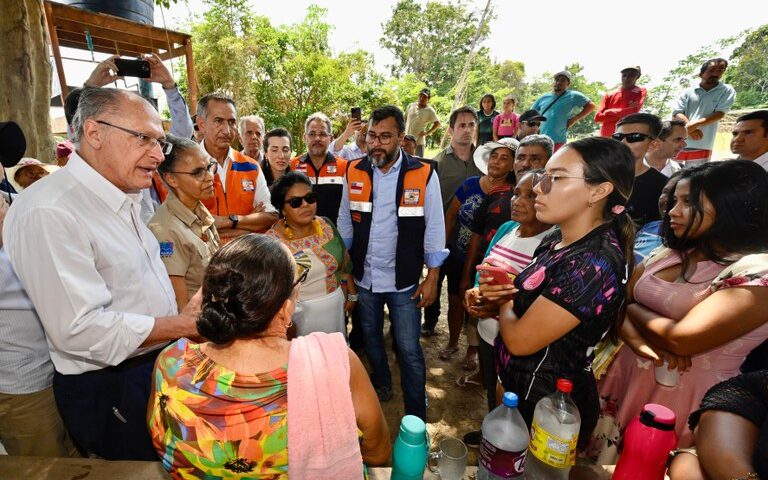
[[328, 291], [700, 303], [183, 226], [573, 293], [224, 409]]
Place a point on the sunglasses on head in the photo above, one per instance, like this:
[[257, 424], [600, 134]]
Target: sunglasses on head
[[631, 137], [532, 124], [296, 202]]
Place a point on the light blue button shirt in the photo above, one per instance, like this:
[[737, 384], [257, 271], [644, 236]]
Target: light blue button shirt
[[696, 103], [379, 271], [556, 126]]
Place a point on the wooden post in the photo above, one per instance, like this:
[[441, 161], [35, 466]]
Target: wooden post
[[191, 76], [56, 51]]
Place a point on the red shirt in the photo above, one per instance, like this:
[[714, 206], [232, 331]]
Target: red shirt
[[616, 105]]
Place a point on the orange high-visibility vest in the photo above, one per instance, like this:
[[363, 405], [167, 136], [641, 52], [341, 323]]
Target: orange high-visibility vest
[[242, 182]]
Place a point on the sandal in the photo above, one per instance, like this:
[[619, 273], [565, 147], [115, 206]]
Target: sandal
[[447, 353], [468, 380]]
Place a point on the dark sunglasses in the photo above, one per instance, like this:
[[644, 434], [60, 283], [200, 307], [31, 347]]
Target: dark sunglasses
[[631, 137], [296, 202], [532, 124]]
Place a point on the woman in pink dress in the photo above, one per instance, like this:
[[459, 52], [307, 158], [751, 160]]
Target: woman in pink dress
[[700, 303]]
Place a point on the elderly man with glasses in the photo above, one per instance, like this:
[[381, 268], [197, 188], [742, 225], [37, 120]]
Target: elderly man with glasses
[[324, 169], [93, 272]]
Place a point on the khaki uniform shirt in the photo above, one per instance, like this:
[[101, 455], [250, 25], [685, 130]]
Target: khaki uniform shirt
[[188, 239]]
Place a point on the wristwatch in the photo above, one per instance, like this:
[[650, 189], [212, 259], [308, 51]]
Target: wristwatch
[[234, 220], [352, 297]]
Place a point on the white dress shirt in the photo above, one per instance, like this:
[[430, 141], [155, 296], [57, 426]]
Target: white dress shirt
[[90, 266]]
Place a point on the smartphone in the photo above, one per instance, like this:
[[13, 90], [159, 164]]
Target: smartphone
[[356, 113], [499, 275], [132, 68]]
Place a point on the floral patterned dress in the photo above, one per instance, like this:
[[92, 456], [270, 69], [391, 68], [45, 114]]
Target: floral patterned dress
[[210, 422]]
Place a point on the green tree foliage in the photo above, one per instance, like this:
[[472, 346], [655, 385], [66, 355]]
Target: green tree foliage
[[431, 41], [283, 73], [748, 72]]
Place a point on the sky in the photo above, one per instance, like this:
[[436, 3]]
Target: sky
[[544, 35]]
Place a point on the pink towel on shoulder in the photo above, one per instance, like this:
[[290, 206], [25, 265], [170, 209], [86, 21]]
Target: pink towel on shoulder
[[322, 429]]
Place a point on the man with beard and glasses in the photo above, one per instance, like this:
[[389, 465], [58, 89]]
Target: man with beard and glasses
[[701, 107], [324, 169], [391, 219]]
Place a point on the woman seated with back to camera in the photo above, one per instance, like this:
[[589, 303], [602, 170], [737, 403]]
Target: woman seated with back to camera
[[329, 291], [225, 409], [701, 303]]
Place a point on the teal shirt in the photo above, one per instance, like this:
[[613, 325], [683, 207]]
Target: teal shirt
[[558, 114]]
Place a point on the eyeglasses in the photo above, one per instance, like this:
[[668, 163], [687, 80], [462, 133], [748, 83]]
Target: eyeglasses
[[314, 135], [296, 202], [303, 277], [144, 140], [199, 173], [631, 137], [532, 124], [545, 180], [384, 138]]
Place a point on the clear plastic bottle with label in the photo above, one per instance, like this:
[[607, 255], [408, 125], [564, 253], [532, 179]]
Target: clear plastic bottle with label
[[554, 434], [505, 442]]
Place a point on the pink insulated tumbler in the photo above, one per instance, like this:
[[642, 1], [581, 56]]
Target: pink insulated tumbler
[[647, 441]]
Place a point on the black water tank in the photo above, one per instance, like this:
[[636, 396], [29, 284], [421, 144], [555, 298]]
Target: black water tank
[[141, 11]]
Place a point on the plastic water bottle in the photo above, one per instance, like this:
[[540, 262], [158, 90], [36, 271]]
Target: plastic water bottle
[[647, 442], [504, 443], [554, 433], [409, 455]]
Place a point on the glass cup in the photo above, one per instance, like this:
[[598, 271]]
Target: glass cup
[[665, 376], [451, 459]]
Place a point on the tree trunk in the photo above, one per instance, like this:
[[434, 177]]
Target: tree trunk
[[25, 76], [461, 85]]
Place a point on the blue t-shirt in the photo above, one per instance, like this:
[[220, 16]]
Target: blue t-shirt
[[696, 103], [647, 240], [558, 114], [470, 197]]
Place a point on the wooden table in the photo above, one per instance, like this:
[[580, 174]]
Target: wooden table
[[49, 468]]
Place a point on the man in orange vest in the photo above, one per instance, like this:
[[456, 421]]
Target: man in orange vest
[[241, 200], [391, 219], [324, 169]]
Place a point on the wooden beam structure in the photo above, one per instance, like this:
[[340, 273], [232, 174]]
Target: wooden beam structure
[[70, 27]]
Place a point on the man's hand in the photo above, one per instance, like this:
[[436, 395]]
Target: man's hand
[[103, 73], [422, 134], [158, 72], [259, 208], [191, 313], [427, 289], [696, 134], [353, 126]]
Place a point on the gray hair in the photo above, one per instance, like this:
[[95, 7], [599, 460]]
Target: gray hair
[[92, 103], [318, 116], [202, 104], [250, 118], [538, 139]]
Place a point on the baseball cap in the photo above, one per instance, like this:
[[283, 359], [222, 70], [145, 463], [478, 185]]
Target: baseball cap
[[566, 74], [632, 67], [483, 152], [426, 92], [532, 116]]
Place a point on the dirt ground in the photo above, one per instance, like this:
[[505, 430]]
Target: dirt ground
[[453, 410]]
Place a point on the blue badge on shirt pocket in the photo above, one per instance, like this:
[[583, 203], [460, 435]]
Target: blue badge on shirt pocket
[[166, 249]]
